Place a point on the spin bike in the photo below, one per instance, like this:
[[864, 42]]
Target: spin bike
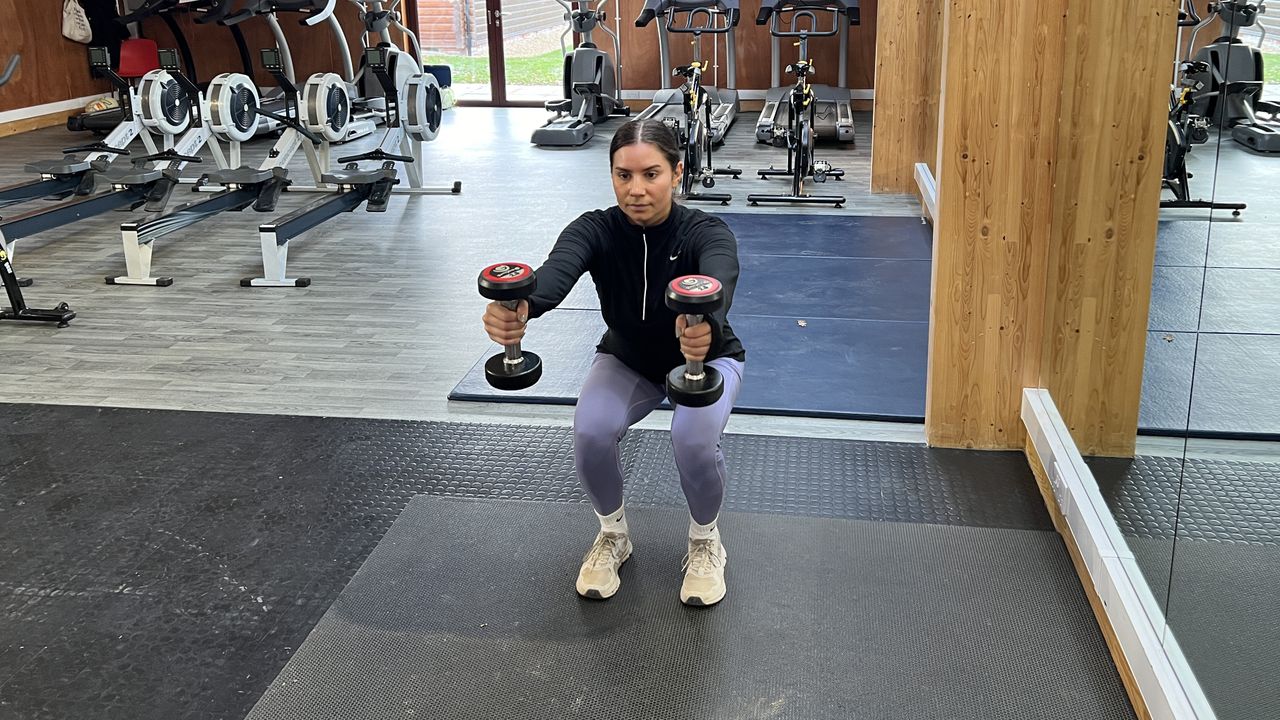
[[695, 127], [1187, 127], [798, 135]]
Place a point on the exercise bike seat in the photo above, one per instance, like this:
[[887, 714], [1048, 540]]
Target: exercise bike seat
[[59, 167], [240, 176], [358, 177], [557, 105], [587, 88]]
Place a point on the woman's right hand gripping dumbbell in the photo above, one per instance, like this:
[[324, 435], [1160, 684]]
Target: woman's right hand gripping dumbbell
[[508, 285], [504, 325]]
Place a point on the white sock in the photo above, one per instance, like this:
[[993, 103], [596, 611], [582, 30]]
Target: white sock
[[615, 522], [703, 532]]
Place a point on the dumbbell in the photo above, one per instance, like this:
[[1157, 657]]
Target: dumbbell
[[694, 384], [509, 283]]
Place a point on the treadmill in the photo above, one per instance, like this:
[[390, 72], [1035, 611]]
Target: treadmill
[[834, 114], [694, 17]]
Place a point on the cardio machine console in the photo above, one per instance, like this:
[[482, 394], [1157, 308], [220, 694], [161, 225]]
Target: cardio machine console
[[271, 60], [377, 58], [168, 59], [99, 57]]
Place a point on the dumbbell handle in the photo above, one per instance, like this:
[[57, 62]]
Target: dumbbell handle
[[514, 356], [693, 368]]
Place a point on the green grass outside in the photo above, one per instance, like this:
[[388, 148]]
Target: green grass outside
[[1271, 68], [544, 69]]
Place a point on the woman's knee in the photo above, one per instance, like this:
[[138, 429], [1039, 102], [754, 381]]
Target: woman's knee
[[596, 433], [696, 447]]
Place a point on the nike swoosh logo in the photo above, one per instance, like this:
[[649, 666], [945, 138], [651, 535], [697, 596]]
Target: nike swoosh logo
[[673, 257]]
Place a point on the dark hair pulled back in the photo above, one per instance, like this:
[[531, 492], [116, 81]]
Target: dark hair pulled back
[[653, 132]]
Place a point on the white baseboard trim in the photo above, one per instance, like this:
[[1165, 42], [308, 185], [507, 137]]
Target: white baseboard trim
[[1160, 670], [928, 190], [35, 111]]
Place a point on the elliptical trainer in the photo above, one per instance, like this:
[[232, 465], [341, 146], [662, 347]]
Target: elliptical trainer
[[591, 81]]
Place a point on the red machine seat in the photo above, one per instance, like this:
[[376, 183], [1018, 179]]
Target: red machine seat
[[138, 56]]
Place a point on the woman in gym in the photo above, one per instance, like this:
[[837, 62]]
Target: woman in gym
[[633, 250]]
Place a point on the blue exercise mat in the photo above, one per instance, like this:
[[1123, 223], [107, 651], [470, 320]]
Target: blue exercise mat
[[861, 284], [1182, 242], [1241, 301], [1235, 386], [846, 288], [820, 368], [852, 236], [1223, 243], [1244, 245], [1235, 381], [1216, 300], [1166, 382], [1175, 299]]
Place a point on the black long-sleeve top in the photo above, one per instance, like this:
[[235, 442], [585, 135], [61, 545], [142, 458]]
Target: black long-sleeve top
[[631, 267]]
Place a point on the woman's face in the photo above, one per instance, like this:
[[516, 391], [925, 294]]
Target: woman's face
[[644, 182]]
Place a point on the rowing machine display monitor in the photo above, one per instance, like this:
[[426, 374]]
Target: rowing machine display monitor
[[377, 57], [271, 60], [99, 57], [169, 59]]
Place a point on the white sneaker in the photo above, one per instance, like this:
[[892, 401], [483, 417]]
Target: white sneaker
[[598, 578], [704, 572]]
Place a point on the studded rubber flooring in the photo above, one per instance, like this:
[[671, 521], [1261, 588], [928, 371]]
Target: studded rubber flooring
[[165, 564], [1216, 500]]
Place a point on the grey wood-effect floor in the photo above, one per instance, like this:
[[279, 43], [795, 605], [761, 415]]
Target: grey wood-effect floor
[[391, 321]]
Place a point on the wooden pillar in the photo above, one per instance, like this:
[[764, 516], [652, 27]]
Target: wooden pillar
[[1048, 170], [1107, 201], [908, 74]]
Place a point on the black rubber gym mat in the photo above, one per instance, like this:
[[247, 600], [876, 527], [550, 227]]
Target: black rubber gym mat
[[1203, 499], [466, 609], [1222, 609]]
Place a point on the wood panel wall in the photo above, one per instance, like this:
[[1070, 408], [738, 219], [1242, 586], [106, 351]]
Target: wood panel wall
[[53, 68], [998, 115], [1102, 243], [1048, 185], [640, 51], [908, 80]]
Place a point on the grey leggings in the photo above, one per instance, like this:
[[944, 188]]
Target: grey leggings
[[614, 397]]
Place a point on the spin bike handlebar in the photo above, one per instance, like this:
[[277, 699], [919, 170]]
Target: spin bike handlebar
[[849, 8], [709, 26], [794, 29], [728, 9]]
